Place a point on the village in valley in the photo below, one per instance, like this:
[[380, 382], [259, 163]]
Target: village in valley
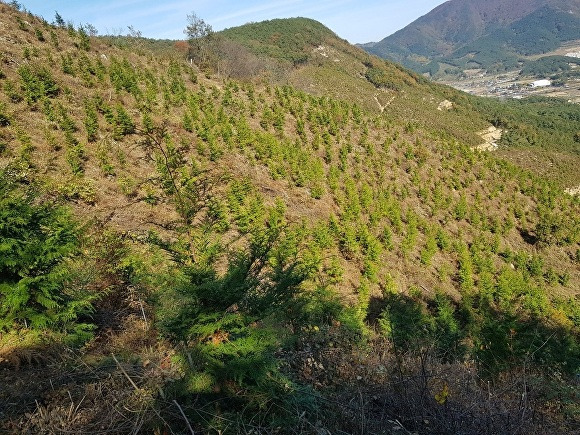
[[513, 84]]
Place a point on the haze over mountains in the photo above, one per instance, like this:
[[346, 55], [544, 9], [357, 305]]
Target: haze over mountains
[[491, 34]]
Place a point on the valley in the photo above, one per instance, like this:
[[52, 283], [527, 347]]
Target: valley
[[512, 84]]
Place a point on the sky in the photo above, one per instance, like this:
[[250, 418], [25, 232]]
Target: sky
[[357, 21]]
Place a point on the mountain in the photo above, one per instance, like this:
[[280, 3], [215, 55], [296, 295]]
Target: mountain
[[492, 35], [184, 250]]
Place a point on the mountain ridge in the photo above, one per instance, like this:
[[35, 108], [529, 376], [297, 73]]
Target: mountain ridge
[[457, 28]]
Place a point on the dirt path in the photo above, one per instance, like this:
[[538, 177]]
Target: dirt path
[[381, 107], [573, 190], [490, 136]]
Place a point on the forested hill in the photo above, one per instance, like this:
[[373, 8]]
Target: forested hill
[[491, 35], [183, 250]]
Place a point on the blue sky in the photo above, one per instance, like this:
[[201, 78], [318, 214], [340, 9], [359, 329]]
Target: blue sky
[[354, 20]]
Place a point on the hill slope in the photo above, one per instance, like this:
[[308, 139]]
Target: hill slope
[[491, 35], [184, 250], [330, 66]]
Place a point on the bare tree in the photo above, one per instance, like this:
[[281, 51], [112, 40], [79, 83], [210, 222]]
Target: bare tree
[[236, 61], [199, 35], [134, 33], [91, 29]]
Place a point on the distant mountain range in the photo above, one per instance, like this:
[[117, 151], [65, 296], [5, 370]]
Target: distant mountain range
[[491, 34]]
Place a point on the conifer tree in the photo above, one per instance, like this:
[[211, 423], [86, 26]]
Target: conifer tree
[[35, 241]]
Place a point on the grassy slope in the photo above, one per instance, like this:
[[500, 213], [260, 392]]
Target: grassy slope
[[382, 207], [333, 67]]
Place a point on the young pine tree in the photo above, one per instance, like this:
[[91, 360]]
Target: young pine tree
[[35, 241]]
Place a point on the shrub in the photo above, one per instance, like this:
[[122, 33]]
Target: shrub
[[84, 40], [124, 125], [54, 38], [91, 121], [35, 241], [75, 155], [465, 274], [381, 78], [429, 250], [67, 65], [39, 35], [123, 76], [37, 83], [404, 322], [4, 119]]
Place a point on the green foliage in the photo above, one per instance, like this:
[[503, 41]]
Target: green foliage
[[442, 239], [37, 83], [364, 296], [411, 235], [429, 250], [36, 239], [176, 84], [75, 156], [552, 24], [447, 330], [460, 210], [556, 228], [404, 322], [505, 341], [123, 76], [548, 65], [241, 292], [84, 40], [58, 20], [290, 40], [12, 92], [39, 35], [67, 64], [124, 125], [381, 78], [91, 121], [465, 273], [541, 122], [229, 319], [54, 39]]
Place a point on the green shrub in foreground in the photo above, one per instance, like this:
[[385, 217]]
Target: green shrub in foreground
[[36, 239]]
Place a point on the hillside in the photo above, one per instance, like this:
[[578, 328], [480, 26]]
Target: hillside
[[185, 252], [330, 66], [491, 35]]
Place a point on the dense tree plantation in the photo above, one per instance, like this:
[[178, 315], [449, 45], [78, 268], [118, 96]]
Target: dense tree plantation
[[184, 250]]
